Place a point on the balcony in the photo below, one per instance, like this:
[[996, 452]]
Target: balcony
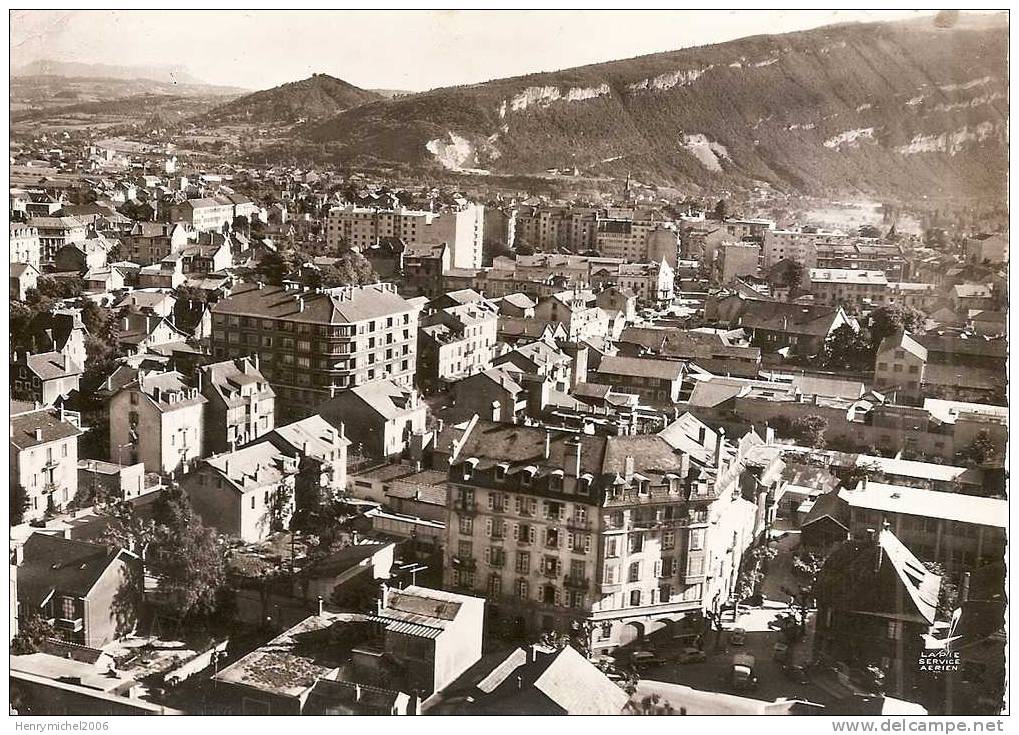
[[574, 524], [70, 625], [465, 563], [576, 583], [465, 507]]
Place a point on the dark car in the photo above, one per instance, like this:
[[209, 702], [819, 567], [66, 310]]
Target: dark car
[[796, 673]]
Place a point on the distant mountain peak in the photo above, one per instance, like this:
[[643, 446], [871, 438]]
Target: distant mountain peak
[[314, 98], [158, 73]]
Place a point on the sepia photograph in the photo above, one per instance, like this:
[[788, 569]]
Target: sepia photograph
[[509, 362]]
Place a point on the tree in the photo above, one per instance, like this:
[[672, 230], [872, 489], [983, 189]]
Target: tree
[[888, 320], [981, 451], [855, 474], [846, 349], [721, 209], [19, 503], [33, 631], [276, 266], [869, 231], [186, 556], [810, 430]]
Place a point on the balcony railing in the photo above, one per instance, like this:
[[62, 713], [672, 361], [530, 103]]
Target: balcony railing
[[466, 563], [576, 583], [575, 524]]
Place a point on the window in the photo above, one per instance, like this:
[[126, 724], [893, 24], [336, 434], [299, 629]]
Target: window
[[669, 540], [466, 526], [577, 569], [552, 538], [464, 549], [665, 593], [612, 547], [494, 585], [668, 566], [633, 574], [636, 543], [696, 539], [67, 608], [635, 598], [605, 631], [523, 562], [550, 595], [523, 589]]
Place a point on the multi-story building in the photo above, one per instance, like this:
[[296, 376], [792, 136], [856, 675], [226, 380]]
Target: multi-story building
[[797, 246], [44, 458], [157, 419], [651, 283], [832, 286], [660, 382], [150, 242], [25, 245], [899, 366], [55, 232], [455, 342], [312, 343], [241, 403], [462, 228], [321, 451], [630, 533], [43, 377], [635, 240], [212, 213], [736, 260], [247, 493], [378, 418]]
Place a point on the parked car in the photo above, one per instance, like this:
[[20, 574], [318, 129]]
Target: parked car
[[781, 651], [796, 673], [737, 636], [644, 659], [691, 656]]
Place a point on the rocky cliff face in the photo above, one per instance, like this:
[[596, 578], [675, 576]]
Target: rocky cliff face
[[893, 109]]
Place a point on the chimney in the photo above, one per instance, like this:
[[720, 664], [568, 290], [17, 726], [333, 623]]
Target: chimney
[[321, 606], [548, 444], [383, 594], [719, 444], [577, 468], [38, 435], [628, 467]]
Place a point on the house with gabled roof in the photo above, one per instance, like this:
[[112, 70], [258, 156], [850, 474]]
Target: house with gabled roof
[[90, 593]]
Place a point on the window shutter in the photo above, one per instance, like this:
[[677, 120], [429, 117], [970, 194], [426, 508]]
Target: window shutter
[[558, 597], [491, 501], [488, 527], [516, 531], [532, 506], [587, 543], [658, 568], [534, 534], [569, 541], [488, 555], [518, 504]]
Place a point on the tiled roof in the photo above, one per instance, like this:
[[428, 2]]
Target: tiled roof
[[46, 421], [333, 306]]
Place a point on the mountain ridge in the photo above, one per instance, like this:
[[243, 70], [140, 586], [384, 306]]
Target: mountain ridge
[[159, 72], [873, 107]]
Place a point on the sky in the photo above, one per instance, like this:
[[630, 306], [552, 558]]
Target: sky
[[408, 50]]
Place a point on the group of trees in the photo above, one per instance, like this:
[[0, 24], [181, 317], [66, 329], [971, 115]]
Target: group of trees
[[177, 548], [349, 269], [850, 349]]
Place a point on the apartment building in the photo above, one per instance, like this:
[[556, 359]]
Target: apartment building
[[44, 457], [551, 228], [25, 245], [899, 366], [55, 232], [150, 242], [455, 342], [832, 286], [212, 213], [379, 418], [247, 493], [312, 343], [240, 403], [961, 532], [640, 241], [461, 227], [157, 419], [43, 377], [633, 534], [797, 246]]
